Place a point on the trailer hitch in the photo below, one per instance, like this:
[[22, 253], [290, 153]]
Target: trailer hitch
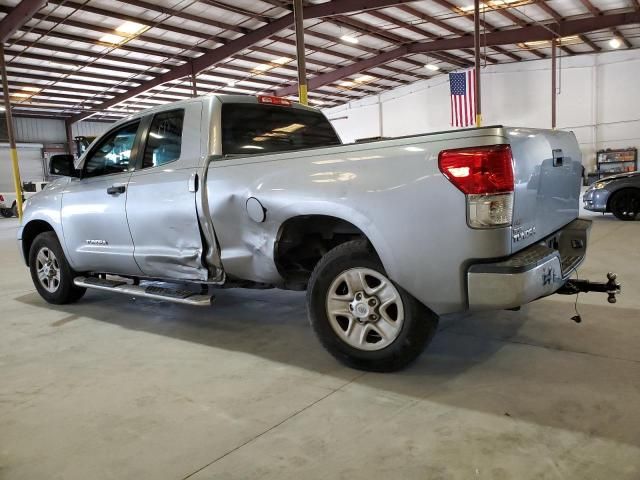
[[611, 287]]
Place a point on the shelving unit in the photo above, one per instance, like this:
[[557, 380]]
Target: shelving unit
[[613, 161]]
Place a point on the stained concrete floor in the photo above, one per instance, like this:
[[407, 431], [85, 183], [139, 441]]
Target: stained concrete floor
[[112, 388]]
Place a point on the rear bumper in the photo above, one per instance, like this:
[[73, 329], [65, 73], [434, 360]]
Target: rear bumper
[[532, 273]]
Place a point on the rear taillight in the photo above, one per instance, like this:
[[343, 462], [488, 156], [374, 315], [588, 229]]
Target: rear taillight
[[1, 198], [485, 175]]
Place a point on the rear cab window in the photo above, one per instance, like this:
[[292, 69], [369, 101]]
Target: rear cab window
[[249, 128]]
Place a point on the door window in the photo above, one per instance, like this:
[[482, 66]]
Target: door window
[[113, 153], [164, 141]]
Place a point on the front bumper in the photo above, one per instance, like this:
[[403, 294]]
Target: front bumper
[[595, 200], [532, 273]]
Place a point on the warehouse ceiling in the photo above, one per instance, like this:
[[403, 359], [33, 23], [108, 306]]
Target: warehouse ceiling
[[104, 59]]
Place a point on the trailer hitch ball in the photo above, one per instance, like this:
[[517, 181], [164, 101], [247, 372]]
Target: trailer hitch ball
[[613, 287]]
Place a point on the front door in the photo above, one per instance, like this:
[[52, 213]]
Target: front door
[[94, 219]]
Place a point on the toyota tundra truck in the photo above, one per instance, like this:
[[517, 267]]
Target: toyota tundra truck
[[384, 236]]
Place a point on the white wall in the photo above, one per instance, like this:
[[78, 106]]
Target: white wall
[[598, 100]]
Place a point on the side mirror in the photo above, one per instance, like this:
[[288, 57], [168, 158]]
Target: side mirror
[[62, 165]]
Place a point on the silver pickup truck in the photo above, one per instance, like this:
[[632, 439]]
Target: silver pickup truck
[[245, 191]]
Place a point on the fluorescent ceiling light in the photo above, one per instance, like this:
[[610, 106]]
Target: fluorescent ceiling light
[[112, 39], [469, 8], [31, 89], [546, 43], [615, 42], [316, 102], [494, 4], [263, 67], [349, 39], [281, 60], [346, 84], [1, 109], [231, 83], [21, 95], [131, 28], [432, 67], [365, 78]]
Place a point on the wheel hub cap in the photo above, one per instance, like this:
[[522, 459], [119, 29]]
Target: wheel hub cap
[[365, 309], [48, 269]]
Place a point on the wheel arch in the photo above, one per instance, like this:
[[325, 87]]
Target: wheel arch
[[30, 231], [303, 239], [625, 188]]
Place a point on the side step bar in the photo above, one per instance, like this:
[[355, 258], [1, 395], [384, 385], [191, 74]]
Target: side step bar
[[186, 297]]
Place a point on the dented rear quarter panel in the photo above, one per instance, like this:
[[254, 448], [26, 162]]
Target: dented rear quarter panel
[[391, 190]]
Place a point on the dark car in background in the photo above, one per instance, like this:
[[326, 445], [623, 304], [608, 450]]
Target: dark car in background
[[617, 194]]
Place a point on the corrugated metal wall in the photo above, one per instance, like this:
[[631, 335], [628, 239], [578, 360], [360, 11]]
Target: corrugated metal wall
[[89, 129], [42, 130], [39, 130]]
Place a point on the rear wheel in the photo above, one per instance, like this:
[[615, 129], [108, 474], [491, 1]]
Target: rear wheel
[[50, 271], [361, 317], [6, 212], [625, 204]]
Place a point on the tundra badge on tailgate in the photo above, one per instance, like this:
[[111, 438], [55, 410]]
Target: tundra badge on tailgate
[[520, 233]]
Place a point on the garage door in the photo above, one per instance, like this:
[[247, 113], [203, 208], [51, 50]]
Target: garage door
[[30, 161]]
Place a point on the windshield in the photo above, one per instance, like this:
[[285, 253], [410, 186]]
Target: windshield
[[258, 129]]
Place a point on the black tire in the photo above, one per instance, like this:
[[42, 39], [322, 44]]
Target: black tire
[[6, 212], [63, 290], [417, 328], [14, 210], [625, 204]]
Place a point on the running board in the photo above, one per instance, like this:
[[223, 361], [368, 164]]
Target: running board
[[186, 297]]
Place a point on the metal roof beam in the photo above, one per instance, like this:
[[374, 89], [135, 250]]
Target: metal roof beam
[[234, 46], [492, 28], [596, 12], [420, 31], [544, 6], [452, 29], [502, 37], [18, 16]]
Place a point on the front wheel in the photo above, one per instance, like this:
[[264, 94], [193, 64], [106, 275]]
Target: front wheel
[[51, 273], [360, 316], [6, 212], [625, 204]]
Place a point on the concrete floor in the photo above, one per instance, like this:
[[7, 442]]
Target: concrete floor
[[112, 388]]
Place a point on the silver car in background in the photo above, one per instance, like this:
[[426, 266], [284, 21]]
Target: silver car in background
[[617, 194]]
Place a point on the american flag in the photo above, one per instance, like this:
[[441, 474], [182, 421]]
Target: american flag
[[463, 101]]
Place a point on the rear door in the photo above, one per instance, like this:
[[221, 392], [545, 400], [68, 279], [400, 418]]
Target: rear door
[[94, 219], [161, 201], [548, 174]]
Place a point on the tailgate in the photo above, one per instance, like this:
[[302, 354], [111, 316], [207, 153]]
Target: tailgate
[[548, 174]]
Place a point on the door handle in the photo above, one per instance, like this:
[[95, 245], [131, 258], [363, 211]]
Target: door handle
[[116, 189], [558, 157]]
